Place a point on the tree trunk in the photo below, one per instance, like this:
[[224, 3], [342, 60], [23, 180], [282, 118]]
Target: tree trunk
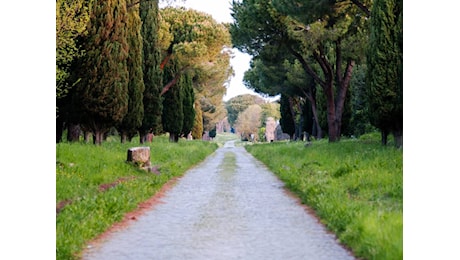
[[142, 136], [173, 137], [123, 137], [98, 137], [331, 114], [342, 89], [398, 136], [73, 132], [291, 109], [88, 135], [319, 132], [59, 130], [384, 137]]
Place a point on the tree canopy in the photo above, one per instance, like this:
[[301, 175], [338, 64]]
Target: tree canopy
[[323, 40]]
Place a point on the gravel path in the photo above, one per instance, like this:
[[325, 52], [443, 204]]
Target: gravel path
[[228, 207]]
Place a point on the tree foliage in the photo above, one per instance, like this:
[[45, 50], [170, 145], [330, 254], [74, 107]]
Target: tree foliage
[[188, 101], [249, 121], [287, 120], [384, 61], [118, 50], [200, 46], [173, 113], [326, 38], [71, 21], [133, 119], [197, 129], [103, 92], [238, 104], [151, 59]]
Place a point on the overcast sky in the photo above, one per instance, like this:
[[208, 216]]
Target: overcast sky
[[220, 11]]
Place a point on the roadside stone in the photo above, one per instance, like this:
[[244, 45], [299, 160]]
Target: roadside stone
[[139, 156]]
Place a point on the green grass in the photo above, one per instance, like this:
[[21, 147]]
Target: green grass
[[80, 170], [354, 186]]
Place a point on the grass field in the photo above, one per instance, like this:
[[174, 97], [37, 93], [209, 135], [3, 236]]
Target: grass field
[[98, 187], [354, 186]]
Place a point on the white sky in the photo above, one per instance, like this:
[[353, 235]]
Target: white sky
[[220, 11]]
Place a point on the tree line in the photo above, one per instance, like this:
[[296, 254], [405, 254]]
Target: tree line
[[137, 68], [337, 64]]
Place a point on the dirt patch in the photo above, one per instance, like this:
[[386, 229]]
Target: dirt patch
[[61, 205], [105, 186]]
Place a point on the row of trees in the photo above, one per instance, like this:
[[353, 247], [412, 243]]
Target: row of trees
[[337, 64], [248, 114], [132, 66]]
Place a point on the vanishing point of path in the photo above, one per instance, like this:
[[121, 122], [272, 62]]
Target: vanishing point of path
[[228, 207]]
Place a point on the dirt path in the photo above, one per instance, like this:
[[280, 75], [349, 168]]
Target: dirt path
[[228, 207]]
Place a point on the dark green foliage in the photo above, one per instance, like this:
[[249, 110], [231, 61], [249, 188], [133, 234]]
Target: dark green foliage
[[153, 80], [173, 112], [213, 133], [346, 128], [384, 62], [256, 23], [360, 119], [305, 11], [103, 91], [308, 122], [187, 102], [133, 119], [287, 121]]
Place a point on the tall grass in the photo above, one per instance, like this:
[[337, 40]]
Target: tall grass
[[82, 168], [354, 186]]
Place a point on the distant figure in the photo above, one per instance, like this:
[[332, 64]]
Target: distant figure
[[149, 137], [189, 136]]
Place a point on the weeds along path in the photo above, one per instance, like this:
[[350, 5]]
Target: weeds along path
[[228, 207]]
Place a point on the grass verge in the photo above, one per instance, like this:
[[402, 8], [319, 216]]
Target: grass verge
[[97, 187], [354, 186]]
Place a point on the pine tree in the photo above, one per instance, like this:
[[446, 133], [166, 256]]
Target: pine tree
[[133, 119], [384, 74], [153, 107], [103, 92]]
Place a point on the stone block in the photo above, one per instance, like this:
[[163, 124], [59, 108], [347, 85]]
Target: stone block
[[139, 156]]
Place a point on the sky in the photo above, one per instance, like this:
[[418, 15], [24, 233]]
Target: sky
[[220, 11]]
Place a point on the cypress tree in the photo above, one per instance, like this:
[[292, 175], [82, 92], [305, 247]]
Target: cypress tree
[[173, 113], [149, 13], [286, 121], [133, 119], [188, 109], [197, 129], [384, 74], [103, 92]]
